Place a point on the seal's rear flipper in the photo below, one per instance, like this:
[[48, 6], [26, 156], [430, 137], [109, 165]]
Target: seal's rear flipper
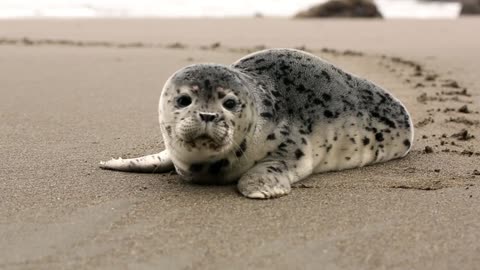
[[156, 163]]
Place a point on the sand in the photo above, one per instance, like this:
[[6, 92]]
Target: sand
[[73, 93]]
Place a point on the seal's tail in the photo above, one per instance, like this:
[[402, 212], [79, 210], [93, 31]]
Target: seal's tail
[[156, 163]]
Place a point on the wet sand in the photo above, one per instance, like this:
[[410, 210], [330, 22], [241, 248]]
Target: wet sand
[[77, 92]]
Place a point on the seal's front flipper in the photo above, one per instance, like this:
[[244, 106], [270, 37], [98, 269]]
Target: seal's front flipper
[[267, 180], [156, 163]]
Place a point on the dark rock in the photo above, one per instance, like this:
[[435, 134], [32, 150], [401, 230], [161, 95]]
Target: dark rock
[[471, 7], [342, 8]]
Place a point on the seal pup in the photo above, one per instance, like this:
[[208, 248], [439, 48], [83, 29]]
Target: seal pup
[[271, 119]]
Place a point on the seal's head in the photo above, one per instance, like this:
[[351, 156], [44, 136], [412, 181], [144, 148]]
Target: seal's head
[[205, 112]]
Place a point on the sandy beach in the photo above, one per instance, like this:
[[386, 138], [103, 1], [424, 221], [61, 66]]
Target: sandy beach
[[74, 92]]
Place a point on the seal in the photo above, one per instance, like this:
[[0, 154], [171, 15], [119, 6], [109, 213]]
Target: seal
[[271, 119]]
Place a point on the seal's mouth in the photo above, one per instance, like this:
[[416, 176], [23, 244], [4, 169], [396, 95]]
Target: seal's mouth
[[203, 137], [205, 141]]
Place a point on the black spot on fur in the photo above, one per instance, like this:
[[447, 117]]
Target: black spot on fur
[[266, 115], [271, 137], [277, 106], [326, 75], [407, 143], [379, 137], [267, 102], [276, 94], [365, 141], [299, 153], [263, 68], [301, 88], [275, 169], [243, 147], [326, 97], [328, 114], [387, 122], [287, 81], [317, 101]]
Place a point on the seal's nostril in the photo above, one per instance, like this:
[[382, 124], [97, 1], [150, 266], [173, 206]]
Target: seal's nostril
[[207, 117]]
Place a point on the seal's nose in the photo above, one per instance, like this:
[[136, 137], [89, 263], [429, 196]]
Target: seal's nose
[[207, 117]]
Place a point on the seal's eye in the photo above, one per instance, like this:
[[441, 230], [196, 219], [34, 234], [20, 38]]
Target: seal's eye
[[184, 101], [230, 104]]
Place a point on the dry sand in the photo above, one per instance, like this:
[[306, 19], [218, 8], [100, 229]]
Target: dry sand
[[68, 101]]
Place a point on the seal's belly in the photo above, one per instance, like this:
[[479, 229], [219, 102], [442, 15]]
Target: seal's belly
[[354, 142]]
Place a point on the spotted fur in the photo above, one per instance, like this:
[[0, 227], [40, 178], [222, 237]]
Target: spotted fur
[[296, 115]]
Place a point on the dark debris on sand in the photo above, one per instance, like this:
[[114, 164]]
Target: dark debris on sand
[[344, 53], [428, 149], [463, 135], [424, 122], [462, 92], [463, 120], [451, 84], [464, 109]]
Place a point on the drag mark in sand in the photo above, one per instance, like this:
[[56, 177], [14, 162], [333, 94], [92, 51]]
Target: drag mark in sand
[[435, 186], [440, 98], [451, 93], [25, 41]]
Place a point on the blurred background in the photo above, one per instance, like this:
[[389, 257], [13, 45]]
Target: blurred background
[[389, 9]]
